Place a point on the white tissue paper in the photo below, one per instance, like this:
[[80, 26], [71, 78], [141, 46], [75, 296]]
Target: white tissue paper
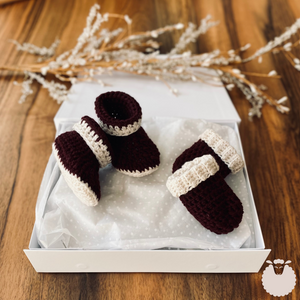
[[139, 213]]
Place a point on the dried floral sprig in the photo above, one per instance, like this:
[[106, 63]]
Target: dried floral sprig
[[99, 51], [191, 34], [44, 52], [277, 42]]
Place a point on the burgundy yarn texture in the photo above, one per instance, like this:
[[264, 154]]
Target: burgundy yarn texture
[[134, 152], [117, 109], [212, 202], [79, 159], [214, 205]]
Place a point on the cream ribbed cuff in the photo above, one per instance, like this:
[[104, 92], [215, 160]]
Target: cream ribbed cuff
[[90, 137], [191, 174], [225, 151], [123, 131]]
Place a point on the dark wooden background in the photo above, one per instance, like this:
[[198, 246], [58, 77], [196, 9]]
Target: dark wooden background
[[271, 144]]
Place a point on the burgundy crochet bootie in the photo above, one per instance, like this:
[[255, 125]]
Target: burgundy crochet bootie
[[120, 117], [211, 143], [79, 154], [199, 183]]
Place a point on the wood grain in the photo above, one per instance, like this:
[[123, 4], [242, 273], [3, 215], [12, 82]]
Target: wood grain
[[271, 144]]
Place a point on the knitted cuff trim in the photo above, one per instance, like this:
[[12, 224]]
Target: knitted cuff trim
[[94, 142], [81, 189], [119, 113], [123, 131], [138, 173], [225, 151], [191, 174]]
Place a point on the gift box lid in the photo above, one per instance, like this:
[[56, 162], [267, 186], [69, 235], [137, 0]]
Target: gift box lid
[[194, 99]]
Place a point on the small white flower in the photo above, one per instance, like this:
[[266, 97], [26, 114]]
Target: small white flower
[[179, 26], [297, 61], [127, 19], [81, 62], [105, 17], [283, 99], [148, 50], [253, 88], [96, 6], [230, 86], [205, 64], [262, 87], [237, 58], [272, 73], [179, 70], [154, 34], [231, 52], [236, 71], [283, 108], [244, 48], [44, 70], [186, 54], [288, 46]]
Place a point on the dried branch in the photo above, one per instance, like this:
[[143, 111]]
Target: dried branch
[[99, 51]]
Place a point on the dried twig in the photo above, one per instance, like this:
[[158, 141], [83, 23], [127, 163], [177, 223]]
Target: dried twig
[[99, 51]]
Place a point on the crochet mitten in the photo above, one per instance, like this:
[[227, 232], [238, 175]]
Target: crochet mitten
[[79, 154], [203, 191], [211, 143], [120, 117]]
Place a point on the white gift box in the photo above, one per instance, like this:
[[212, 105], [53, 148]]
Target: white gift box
[[194, 100]]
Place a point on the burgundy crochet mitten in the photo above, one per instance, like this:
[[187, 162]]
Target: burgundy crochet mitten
[[120, 117], [206, 195], [211, 143], [79, 154]]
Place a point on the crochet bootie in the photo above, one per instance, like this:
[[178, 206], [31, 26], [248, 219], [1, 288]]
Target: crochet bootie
[[211, 143], [203, 191], [120, 117], [79, 154], [198, 181]]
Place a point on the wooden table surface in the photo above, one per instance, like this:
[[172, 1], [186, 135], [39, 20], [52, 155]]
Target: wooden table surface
[[271, 144]]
